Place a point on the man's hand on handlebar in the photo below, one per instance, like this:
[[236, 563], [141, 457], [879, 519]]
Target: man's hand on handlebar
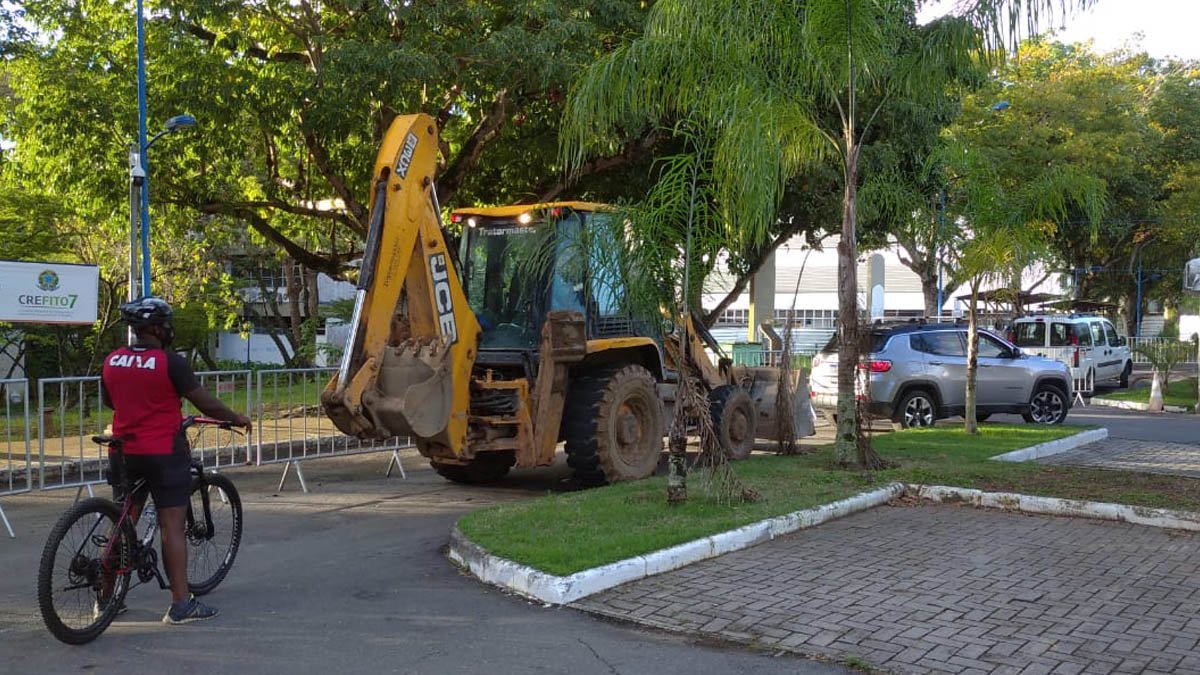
[[241, 421]]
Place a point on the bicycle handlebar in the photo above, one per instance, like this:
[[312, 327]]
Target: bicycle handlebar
[[210, 421], [190, 421]]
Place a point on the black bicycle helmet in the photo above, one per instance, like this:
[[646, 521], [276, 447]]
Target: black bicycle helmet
[[145, 312]]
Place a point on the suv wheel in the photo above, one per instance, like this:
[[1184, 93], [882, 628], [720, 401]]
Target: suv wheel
[[1048, 406], [1125, 374], [917, 409]]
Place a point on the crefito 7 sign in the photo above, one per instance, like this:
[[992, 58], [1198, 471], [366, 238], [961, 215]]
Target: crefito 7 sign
[[41, 292]]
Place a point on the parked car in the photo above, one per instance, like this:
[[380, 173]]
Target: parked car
[[916, 373], [1087, 343]]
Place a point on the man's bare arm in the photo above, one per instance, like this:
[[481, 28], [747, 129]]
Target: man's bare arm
[[212, 406]]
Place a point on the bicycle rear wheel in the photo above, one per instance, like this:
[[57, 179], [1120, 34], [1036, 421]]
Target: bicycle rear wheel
[[214, 531], [79, 588]]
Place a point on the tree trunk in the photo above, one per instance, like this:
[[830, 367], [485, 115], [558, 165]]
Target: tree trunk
[[929, 291], [846, 442], [677, 440], [273, 311], [312, 296], [972, 426], [294, 285], [710, 319]]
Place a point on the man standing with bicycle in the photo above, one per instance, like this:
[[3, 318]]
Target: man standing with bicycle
[[143, 384]]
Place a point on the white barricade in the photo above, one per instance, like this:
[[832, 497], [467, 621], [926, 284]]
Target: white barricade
[[16, 464], [291, 426], [1084, 384], [71, 413], [217, 448]]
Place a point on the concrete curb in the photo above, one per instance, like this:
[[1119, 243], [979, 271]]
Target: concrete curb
[[1134, 405], [558, 590], [1053, 447], [1056, 506]]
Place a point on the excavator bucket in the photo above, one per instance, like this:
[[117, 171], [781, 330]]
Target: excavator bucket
[[764, 389], [415, 392]]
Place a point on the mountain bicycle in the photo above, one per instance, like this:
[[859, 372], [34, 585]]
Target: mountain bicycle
[[96, 547]]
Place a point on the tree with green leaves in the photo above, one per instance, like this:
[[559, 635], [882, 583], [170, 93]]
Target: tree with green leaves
[[1008, 213], [777, 85], [292, 98], [1071, 107]]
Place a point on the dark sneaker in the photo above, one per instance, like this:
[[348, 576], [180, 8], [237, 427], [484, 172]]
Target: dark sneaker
[[188, 611]]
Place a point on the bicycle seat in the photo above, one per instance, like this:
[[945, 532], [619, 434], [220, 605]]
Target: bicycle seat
[[108, 439]]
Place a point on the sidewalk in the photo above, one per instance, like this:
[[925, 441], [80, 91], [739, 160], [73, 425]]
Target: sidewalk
[[944, 589], [1178, 459]]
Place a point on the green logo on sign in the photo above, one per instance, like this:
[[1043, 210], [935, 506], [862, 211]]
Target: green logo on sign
[[48, 280]]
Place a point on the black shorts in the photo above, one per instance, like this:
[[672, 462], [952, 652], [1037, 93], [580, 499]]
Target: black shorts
[[169, 477]]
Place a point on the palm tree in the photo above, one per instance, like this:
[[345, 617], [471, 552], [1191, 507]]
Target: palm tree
[[776, 85], [1008, 221]]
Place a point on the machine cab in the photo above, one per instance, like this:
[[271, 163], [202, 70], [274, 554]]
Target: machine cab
[[520, 262]]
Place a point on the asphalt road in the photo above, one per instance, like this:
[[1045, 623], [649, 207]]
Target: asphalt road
[[1130, 424], [350, 578]]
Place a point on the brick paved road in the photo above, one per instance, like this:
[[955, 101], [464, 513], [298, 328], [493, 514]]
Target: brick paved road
[[1130, 455], [946, 589]]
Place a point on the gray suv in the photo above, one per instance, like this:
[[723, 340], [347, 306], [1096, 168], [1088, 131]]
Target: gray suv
[[918, 374]]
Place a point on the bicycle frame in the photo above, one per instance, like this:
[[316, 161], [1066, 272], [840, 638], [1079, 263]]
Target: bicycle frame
[[146, 565]]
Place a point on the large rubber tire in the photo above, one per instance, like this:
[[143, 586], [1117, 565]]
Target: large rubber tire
[[1048, 405], [69, 575], [918, 408], [211, 552], [1125, 373], [486, 467], [733, 418], [613, 425]]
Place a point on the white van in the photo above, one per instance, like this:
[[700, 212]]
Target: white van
[[1089, 344]]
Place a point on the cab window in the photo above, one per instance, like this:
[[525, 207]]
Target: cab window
[[1082, 334], [990, 347], [1111, 333], [1031, 334], [945, 343], [1060, 335], [1097, 333]]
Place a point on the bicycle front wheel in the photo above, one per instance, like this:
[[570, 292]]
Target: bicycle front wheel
[[214, 531], [85, 571]]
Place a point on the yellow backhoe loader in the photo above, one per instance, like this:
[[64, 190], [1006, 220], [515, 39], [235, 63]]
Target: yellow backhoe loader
[[489, 356]]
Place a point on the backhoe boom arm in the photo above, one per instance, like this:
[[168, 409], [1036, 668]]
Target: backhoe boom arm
[[407, 364]]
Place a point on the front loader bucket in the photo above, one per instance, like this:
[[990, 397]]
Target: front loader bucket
[[764, 388], [413, 396]]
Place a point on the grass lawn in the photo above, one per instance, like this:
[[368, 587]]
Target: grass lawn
[[566, 533], [1179, 392]]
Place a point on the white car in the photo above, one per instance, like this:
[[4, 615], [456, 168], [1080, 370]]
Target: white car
[[1087, 343]]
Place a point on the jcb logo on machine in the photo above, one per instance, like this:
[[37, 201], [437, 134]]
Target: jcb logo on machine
[[442, 299], [405, 157]]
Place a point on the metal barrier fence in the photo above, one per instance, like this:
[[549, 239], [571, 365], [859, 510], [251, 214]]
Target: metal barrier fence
[[290, 426], [17, 476], [71, 414], [1138, 343], [1083, 383], [219, 449], [285, 404]]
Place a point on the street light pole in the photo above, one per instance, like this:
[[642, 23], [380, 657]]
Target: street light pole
[[139, 223], [137, 177], [1137, 323], [142, 145], [938, 250]]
